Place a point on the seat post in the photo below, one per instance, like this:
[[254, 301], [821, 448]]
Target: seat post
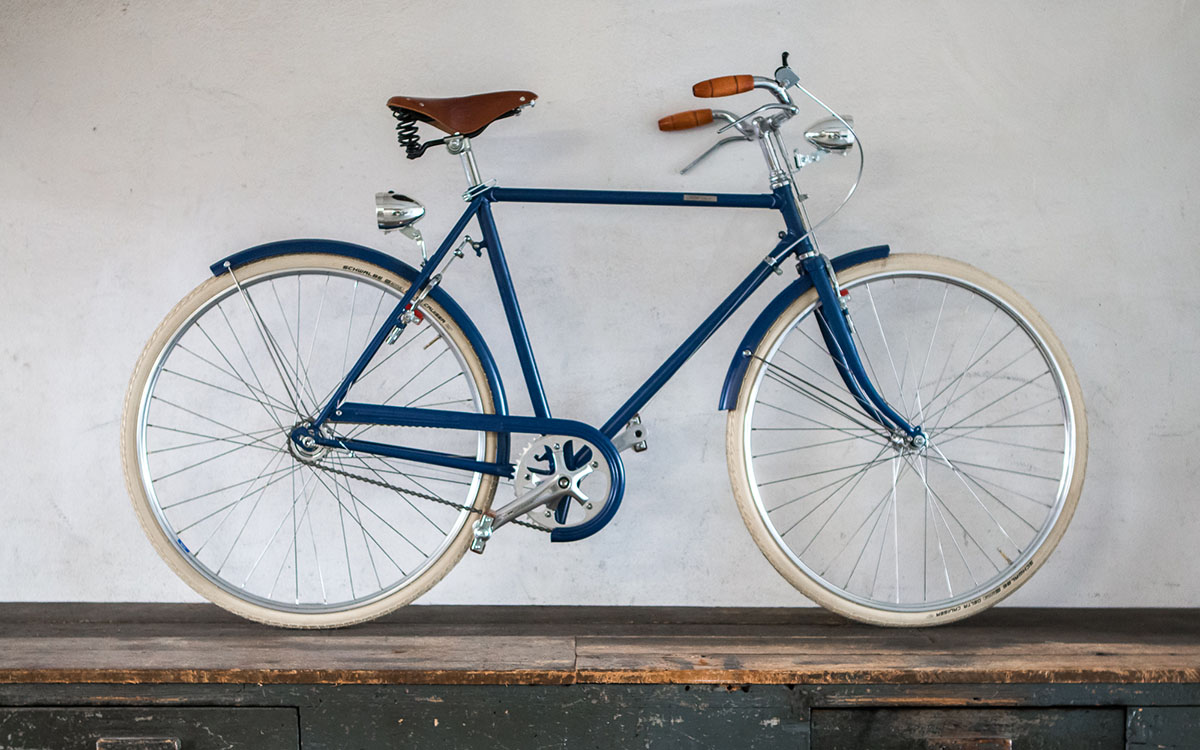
[[461, 145]]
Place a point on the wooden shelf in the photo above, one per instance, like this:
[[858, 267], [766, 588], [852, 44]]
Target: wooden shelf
[[437, 645]]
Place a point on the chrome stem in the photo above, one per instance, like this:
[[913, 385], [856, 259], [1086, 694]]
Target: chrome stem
[[461, 145]]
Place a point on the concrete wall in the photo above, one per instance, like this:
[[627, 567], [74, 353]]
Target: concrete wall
[[1054, 145]]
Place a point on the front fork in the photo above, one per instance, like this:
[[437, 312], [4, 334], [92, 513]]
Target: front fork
[[836, 328]]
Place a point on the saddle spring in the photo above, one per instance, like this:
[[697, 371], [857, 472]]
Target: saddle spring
[[406, 133]]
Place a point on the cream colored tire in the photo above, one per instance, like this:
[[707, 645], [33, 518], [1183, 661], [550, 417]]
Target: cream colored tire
[[219, 394], [970, 469]]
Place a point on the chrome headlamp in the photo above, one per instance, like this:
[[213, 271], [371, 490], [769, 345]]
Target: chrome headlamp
[[395, 212], [831, 134]]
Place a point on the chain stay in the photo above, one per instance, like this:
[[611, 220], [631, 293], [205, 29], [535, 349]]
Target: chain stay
[[422, 495]]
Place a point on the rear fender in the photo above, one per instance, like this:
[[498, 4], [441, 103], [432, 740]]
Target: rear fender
[[750, 342]]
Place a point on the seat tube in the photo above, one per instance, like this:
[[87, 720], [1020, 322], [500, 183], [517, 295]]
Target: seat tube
[[512, 311]]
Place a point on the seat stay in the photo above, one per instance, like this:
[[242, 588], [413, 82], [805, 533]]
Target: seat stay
[[393, 319]]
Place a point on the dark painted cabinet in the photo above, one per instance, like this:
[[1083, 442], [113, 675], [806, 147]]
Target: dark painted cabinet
[[601, 717], [969, 729], [154, 728]]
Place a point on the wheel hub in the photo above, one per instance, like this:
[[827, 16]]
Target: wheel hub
[[302, 443], [909, 445]]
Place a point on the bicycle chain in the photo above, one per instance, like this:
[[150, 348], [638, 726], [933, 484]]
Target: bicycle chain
[[404, 491]]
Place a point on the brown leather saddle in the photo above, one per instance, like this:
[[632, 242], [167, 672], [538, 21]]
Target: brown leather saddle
[[463, 114]]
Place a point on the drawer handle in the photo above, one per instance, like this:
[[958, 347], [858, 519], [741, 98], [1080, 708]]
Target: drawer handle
[[968, 743], [138, 743]]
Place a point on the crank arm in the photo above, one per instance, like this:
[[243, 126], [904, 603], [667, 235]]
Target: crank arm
[[633, 436], [544, 493]]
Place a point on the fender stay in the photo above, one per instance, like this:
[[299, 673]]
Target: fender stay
[[790, 293]]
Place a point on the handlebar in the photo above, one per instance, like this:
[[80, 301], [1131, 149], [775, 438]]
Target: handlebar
[[693, 118], [729, 86], [834, 135], [763, 122], [723, 86]]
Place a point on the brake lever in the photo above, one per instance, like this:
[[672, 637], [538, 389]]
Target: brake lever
[[711, 149]]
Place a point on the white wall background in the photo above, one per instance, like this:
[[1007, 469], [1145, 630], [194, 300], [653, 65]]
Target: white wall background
[[1054, 145]]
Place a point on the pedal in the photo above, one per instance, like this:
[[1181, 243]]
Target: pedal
[[483, 532], [633, 436]]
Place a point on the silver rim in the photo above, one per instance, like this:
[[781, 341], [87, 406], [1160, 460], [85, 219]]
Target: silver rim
[[247, 514], [897, 529]]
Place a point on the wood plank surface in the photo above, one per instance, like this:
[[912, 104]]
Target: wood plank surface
[[432, 645]]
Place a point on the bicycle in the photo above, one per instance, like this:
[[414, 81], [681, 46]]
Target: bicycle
[[314, 435]]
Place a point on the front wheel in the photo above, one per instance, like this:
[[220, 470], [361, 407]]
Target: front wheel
[[318, 538], [875, 528]]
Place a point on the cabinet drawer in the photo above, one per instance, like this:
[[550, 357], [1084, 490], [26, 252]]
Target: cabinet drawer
[[968, 729], [150, 728], [1167, 728]]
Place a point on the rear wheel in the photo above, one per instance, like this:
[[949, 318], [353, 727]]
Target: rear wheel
[[273, 533], [874, 528]]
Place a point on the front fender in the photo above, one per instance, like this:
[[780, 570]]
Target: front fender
[[750, 342], [404, 271]]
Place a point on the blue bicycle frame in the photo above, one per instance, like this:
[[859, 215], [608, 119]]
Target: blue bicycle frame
[[816, 271]]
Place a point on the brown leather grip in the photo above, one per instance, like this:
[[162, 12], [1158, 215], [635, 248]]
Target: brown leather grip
[[683, 120], [723, 86]]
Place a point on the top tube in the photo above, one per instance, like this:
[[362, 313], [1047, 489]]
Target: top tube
[[634, 197]]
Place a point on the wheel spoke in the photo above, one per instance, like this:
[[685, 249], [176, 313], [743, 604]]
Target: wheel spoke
[[257, 441], [997, 424], [883, 337], [857, 477], [269, 343], [261, 389], [224, 390], [986, 510], [402, 495], [919, 406], [841, 481], [937, 533], [245, 524], [275, 477], [302, 378], [945, 508], [945, 407]]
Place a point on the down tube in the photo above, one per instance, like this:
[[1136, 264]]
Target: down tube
[[714, 321]]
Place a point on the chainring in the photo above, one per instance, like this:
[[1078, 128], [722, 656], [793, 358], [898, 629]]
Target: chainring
[[581, 462]]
